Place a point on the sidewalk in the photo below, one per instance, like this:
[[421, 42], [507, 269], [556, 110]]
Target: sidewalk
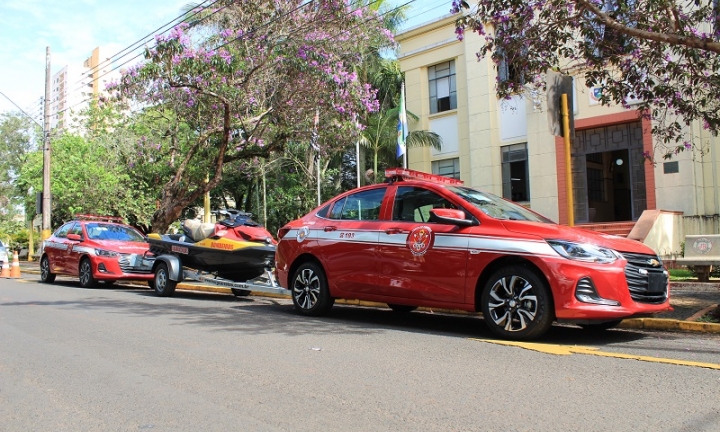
[[690, 300]]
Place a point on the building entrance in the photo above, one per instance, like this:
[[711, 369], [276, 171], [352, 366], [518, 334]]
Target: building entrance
[[609, 174]]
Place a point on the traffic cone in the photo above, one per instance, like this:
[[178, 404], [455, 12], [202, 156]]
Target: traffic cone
[[5, 270], [15, 268]]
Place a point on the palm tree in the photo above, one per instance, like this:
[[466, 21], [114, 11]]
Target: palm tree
[[380, 134]]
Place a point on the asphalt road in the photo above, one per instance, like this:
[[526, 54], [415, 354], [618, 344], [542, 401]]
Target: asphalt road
[[119, 358]]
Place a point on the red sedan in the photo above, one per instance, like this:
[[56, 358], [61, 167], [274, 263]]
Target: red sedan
[[96, 248], [424, 240]]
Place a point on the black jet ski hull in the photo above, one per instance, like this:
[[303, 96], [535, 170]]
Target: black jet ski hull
[[239, 264]]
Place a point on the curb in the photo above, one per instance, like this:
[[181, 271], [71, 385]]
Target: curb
[[670, 325], [662, 324]]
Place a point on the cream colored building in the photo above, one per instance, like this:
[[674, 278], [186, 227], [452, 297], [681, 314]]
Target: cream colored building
[[74, 86], [506, 146]]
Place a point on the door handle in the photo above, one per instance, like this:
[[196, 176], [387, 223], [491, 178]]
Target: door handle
[[394, 231], [329, 228]]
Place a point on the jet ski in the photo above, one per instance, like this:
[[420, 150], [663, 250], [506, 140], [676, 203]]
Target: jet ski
[[235, 248]]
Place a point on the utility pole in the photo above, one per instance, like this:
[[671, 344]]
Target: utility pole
[[46, 198]]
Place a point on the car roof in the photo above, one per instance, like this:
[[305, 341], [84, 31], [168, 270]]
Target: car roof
[[393, 175], [99, 218]]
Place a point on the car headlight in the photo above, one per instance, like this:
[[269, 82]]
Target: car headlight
[[584, 252], [105, 253]]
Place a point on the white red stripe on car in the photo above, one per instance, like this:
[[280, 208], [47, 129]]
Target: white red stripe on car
[[474, 243]]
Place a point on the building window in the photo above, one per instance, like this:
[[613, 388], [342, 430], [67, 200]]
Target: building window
[[515, 178], [447, 167], [443, 94], [671, 167], [508, 68]]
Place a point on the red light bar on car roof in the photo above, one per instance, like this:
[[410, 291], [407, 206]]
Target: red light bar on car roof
[[406, 174], [99, 218]]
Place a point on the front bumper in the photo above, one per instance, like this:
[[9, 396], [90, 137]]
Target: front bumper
[[620, 283], [126, 266]]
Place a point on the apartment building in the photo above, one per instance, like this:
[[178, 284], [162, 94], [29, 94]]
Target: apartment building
[[75, 85], [507, 147]]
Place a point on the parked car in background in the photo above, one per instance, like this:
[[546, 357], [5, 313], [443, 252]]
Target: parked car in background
[[96, 248], [3, 254], [425, 240]]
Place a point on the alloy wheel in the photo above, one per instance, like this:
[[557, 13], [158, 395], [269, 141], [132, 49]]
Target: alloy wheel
[[513, 304], [306, 289]]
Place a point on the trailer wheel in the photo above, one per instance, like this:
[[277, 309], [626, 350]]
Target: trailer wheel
[[164, 287], [240, 292]]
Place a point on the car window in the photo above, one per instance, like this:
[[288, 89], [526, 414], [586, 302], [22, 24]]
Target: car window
[[76, 229], [105, 231], [336, 212], [363, 205], [496, 207], [323, 213], [62, 232], [413, 204]]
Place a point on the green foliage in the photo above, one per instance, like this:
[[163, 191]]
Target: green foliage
[[659, 57], [85, 178]]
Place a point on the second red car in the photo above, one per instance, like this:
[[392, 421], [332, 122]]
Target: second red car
[[96, 248]]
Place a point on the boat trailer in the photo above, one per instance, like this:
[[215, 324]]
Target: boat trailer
[[169, 271]]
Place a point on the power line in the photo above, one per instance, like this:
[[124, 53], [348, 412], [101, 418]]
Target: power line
[[254, 29], [21, 110], [145, 38], [140, 54]]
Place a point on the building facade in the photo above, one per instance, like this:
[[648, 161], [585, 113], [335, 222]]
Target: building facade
[[74, 86], [507, 147]]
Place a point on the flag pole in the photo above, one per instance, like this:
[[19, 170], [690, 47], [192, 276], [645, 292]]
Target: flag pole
[[402, 128], [405, 126], [317, 152]]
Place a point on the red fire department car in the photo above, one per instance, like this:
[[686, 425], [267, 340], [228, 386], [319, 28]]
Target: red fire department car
[[96, 248], [426, 240]]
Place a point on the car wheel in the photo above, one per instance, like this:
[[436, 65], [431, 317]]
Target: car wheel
[[401, 308], [310, 293], [46, 276], [599, 327], [87, 280], [164, 287], [516, 303]]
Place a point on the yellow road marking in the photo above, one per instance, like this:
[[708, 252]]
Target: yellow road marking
[[570, 350]]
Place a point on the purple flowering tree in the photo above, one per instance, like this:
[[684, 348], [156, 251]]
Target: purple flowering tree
[[242, 81], [657, 56]]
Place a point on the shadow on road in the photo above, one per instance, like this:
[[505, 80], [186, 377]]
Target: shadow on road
[[264, 315]]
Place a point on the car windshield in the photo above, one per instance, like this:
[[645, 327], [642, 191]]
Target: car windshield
[[496, 207], [104, 231]]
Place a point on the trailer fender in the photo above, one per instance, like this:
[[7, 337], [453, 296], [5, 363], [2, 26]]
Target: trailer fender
[[174, 266]]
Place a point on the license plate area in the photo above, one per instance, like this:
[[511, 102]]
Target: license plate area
[[657, 282]]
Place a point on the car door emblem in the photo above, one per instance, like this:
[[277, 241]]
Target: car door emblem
[[302, 234], [420, 240]]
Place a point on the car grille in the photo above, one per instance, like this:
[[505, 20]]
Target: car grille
[[647, 282], [127, 265]]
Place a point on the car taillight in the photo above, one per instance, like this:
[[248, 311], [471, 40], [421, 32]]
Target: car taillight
[[281, 232]]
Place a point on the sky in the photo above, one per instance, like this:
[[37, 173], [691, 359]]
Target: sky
[[73, 28]]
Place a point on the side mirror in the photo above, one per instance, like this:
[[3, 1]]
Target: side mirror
[[74, 237], [450, 217]]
